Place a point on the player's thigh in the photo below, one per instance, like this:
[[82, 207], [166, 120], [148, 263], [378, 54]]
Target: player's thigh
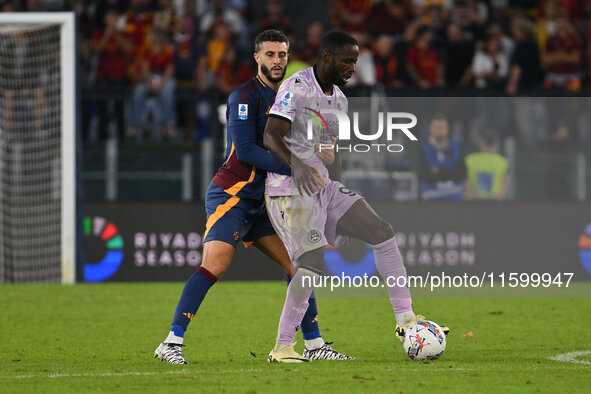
[[363, 223], [217, 256], [226, 216], [312, 259], [273, 247], [299, 222]]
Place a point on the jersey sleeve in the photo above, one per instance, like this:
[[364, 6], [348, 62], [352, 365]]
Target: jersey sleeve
[[285, 101], [242, 129]]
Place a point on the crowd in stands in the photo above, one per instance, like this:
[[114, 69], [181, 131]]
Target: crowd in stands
[[153, 49]]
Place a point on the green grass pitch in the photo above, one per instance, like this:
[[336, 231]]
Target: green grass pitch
[[89, 338]]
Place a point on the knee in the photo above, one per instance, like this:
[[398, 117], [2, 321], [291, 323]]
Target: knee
[[216, 266], [383, 232], [287, 266]]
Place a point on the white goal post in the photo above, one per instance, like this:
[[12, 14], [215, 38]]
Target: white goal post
[[64, 267]]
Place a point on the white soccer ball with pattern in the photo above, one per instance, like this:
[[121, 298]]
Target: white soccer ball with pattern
[[424, 341]]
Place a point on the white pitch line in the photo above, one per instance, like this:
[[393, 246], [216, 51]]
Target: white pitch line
[[76, 375], [572, 357], [488, 368]]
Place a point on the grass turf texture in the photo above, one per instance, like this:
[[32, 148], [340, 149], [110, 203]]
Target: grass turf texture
[[102, 338]]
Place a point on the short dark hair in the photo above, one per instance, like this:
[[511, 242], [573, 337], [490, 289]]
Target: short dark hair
[[336, 39], [488, 138], [438, 116], [269, 35]]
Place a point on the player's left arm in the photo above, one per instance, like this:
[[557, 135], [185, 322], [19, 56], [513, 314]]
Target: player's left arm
[[248, 151], [242, 128]]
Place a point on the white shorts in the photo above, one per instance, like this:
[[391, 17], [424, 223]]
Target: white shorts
[[306, 223]]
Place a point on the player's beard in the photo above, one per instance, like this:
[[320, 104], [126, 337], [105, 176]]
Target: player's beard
[[334, 76], [267, 73]]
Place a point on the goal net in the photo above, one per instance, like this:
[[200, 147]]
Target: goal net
[[37, 146]]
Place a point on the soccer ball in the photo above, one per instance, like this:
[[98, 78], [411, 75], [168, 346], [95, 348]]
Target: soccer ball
[[424, 341]]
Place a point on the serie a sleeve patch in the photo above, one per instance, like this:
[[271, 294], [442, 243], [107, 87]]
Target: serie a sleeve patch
[[242, 111]]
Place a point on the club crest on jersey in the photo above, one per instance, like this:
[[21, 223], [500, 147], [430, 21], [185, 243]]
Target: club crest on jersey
[[286, 99], [243, 111], [314, 236]]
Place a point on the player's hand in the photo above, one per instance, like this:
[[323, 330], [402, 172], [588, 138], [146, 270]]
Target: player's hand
[[307, 178], [325, 153]]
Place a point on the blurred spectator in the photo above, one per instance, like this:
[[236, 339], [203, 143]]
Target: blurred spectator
[[573, 8], [436, 20], [490, 67], [420, 6], [295, 63], [221, 39], [458, 57], [112, 50], [219, 10], [98, 9], [351, 15], [506, 43], [186, 26], [165, 17], [442, 168], [231, 71], [472, 16], [487, 171], [525, 71], [498, 11], [423, 63], [365, 69], [546, 23], [156, 64], [222, 12], [401, 48], [309, 49], [137, 23], [275, 19], [386, 17], [386, 63], [563, 54], [186, 59]]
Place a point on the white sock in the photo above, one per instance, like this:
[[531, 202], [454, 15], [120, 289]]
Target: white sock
[[402, 318], [315, 343], [171, 338]]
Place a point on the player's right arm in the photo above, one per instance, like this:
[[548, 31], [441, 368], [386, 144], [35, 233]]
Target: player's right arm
[[283, 112], [306, 178]]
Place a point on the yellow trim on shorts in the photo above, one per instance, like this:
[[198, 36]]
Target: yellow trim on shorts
[[219, 212], [239, 185]]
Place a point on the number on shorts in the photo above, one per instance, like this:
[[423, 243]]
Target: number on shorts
[[347, 191]]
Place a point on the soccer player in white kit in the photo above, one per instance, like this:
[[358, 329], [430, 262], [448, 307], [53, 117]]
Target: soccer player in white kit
[[311, 207]]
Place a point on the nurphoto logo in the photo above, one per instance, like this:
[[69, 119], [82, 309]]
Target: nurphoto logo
[[344, 125]]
